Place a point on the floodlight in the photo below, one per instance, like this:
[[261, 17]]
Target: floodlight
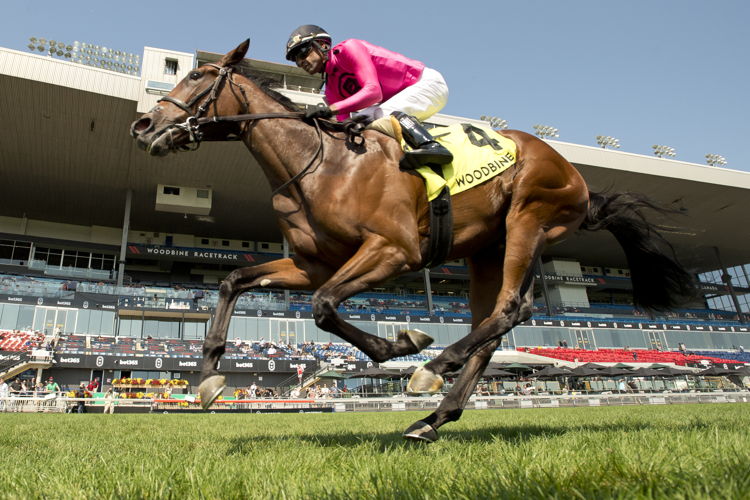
[[715, 160], [662, 151], [545, 131], [605, 140], [495, 122], [88, 54]]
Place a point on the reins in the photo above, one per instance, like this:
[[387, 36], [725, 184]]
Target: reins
[[193, 122]]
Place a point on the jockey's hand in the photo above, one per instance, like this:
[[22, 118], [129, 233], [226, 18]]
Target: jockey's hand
[[319, 111]]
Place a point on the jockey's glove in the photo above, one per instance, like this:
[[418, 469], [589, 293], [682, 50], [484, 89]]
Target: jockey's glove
[[319, 111]]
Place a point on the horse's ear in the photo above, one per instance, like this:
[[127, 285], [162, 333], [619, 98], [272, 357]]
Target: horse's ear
[[235, 56]]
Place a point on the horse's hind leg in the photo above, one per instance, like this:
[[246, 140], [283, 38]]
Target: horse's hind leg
[[452, 406], [524, 242], [282, 273]]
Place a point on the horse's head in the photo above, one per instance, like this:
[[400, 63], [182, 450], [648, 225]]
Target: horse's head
[[205, 92]]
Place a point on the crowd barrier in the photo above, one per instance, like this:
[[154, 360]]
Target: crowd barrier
[[63, 404]]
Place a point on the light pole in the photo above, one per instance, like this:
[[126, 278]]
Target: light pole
[[495, 122], [662, 151], [716, 160], [89, 54], [605, 140], [545, 131]]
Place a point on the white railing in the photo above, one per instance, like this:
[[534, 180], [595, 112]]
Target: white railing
[[62, 403]]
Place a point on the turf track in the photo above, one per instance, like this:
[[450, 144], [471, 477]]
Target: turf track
[[685, 451]]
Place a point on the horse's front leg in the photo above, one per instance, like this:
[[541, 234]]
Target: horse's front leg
[[282, 273], [375, 261]]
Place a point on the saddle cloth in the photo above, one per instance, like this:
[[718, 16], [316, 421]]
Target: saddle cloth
[[479, 154]]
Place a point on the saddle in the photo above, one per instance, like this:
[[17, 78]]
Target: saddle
[[479, 154]]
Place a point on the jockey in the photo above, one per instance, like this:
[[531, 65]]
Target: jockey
[[373, 82]]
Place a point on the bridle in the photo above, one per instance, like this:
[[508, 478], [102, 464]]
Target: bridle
[[191, 124], [195, 119]]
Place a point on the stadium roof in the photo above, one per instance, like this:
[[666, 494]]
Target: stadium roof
[[67, 157]]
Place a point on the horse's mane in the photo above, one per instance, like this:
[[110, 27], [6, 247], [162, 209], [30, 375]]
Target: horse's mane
[[265, 84]]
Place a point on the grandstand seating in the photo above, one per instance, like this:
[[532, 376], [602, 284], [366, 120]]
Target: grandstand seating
[[139, 296], [20, 340], [625, 356], [741, 357]]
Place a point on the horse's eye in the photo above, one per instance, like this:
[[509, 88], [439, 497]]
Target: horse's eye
[[195, 75]]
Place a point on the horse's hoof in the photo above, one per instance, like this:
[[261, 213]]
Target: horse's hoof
[[417, 337], [210, 389], [421, 431], [423, 381]]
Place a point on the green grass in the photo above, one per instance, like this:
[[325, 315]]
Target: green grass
[[686, 451]]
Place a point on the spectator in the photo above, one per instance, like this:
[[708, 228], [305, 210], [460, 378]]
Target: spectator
[[15, 392], [52, 387], [109, 401], [4, 394], [80, 394], [93, 385], [621, 386]]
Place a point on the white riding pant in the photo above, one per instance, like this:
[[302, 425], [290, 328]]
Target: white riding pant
[[421, 100]]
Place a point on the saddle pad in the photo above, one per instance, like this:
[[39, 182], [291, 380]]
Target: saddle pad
[[479, 154]]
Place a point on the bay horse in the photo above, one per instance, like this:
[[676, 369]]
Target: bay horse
[[354, 219]]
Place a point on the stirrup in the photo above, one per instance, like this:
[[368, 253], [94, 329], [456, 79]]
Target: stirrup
[[431, 153]]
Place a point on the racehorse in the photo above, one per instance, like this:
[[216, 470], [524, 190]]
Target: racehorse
[[354, 219]]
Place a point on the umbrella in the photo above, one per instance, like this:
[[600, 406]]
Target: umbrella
[[374, 373], [551, 372], [583, 371], [716, 370], [593, 366], [612, 371], [623, 365], [333, 374], [408, 371], [671, 371], [515, 366], [742, 372], [496, 372], [647, 372]]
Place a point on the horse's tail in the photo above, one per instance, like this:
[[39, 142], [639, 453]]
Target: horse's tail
[[659, 281]]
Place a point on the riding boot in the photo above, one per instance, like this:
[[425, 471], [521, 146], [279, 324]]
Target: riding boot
[[425, 150]]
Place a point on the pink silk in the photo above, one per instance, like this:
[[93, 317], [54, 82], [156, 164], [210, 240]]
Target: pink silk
[[361, 74]]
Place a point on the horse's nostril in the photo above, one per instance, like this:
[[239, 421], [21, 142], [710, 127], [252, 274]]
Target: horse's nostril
[[141, 126]]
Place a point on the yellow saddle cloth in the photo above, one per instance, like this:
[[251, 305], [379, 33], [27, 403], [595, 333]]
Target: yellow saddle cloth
[[479, 154]]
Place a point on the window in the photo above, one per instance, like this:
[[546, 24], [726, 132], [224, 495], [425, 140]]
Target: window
[[225, 243], [171, 190], [204, 241], [245, 244], [170, 66], [202, 193]]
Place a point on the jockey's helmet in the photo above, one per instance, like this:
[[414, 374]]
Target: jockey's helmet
[[303, 37]]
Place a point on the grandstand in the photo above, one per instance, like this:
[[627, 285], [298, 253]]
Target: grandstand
[[117, 297]]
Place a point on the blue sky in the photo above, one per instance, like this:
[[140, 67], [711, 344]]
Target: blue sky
[[672, 72]]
